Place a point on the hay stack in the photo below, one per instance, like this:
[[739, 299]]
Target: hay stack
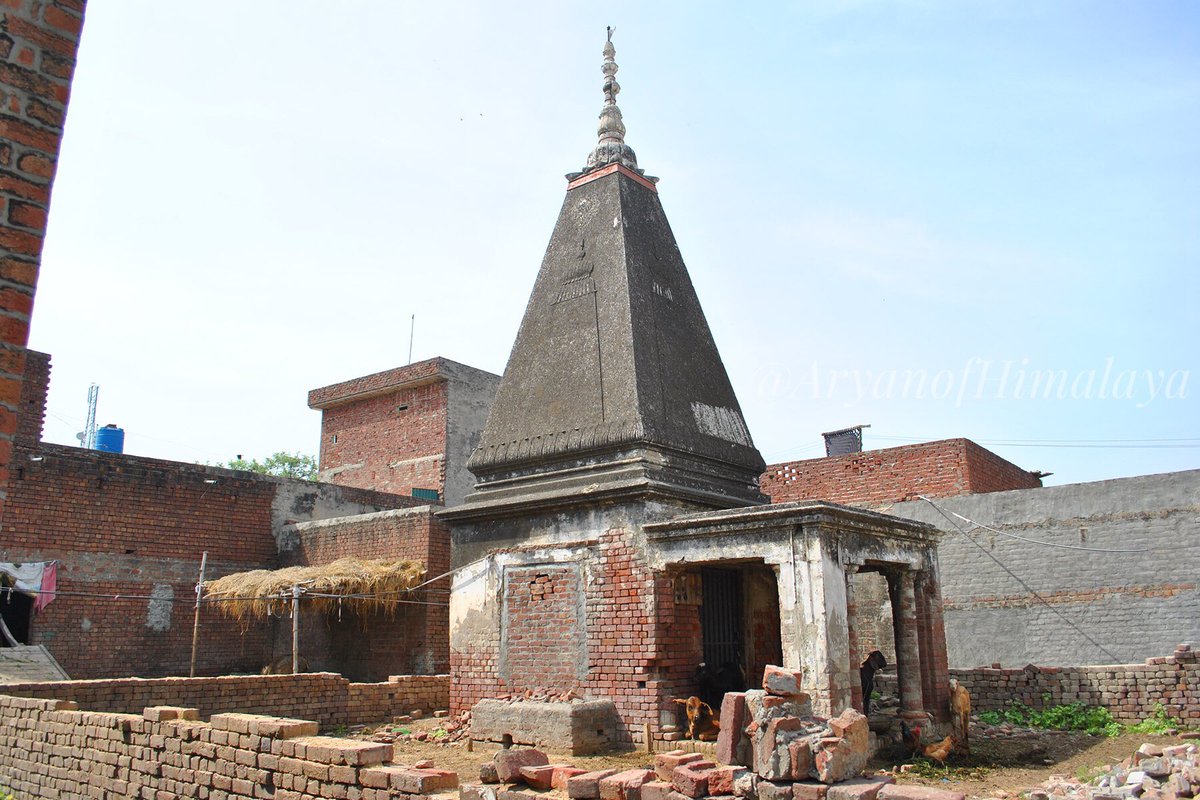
[[357, 584]]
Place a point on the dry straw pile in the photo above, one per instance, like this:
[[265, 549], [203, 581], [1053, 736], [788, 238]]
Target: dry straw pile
[[355, 584]]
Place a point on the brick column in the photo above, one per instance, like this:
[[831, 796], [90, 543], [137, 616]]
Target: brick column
[[856, 657], [935, 667], [908, 647], [38, 42]]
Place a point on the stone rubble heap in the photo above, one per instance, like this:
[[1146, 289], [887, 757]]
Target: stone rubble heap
[[1154, 772], [771, 745], [773, 734]]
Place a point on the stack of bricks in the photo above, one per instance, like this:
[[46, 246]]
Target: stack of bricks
[[401, 694], [51, 749], [1130, 692], [327, 698], [38, 45]]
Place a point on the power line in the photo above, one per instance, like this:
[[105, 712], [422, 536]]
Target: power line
[[1023, 584], [1038, 541]]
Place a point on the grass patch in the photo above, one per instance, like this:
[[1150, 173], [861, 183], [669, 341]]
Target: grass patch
[[1071, 717]]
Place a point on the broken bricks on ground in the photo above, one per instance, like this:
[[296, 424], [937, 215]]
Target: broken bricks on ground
[[770, 745]]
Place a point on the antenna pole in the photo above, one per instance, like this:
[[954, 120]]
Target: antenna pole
[[89, 427], [411, 330]]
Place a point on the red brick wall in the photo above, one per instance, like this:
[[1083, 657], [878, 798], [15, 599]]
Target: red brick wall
[[31, 414], [38, 43], [382, 447], [410, 637], [639, 651], [324, 697], [936, 469], [543, 606], [122, 526]]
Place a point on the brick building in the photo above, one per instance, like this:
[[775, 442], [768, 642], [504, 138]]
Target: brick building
[[944, 468], [405, 429], [121, 526]]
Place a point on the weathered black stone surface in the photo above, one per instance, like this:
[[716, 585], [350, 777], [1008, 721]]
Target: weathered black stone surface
[[614, 358]]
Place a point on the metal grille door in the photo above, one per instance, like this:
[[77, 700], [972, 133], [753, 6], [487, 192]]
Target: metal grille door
[[721, 617]]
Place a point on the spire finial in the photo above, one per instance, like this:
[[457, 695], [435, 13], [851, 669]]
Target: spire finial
[[611, 148]]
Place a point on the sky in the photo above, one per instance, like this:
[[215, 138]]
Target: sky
[[941, 219]]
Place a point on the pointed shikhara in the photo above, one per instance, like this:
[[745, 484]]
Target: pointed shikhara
[[614, 376]]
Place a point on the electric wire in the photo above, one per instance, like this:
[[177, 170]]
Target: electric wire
[[1038, 541], [1023, 584]]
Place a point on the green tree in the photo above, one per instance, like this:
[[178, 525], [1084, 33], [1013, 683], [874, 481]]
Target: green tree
[[281, 465]]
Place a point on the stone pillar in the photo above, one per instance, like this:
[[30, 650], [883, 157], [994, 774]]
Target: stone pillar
[[908, 647], [856, 657], [935, 668]]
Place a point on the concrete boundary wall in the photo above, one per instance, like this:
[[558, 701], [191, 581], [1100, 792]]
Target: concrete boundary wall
[[324, 697], [49, 748], [1119, 559]]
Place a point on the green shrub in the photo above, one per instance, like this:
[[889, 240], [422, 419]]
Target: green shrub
[[1071, 717], [1157, 723]]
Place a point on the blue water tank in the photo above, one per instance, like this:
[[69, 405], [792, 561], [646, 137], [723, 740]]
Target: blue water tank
[[110, 439]]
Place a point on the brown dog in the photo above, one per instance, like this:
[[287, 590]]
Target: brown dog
[[702, 720]]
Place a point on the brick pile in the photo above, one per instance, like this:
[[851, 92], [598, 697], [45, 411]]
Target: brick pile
[[774, 734], [1129, 691], [1153, 772], [771, 748], [52, 749], [326, 698]]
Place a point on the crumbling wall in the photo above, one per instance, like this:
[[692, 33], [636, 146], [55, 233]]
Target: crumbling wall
[[1120, 564], [325, 697], [31, 414], [945, 468]]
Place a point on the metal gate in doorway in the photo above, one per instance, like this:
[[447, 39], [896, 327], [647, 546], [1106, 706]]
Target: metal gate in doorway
[[721, 620]]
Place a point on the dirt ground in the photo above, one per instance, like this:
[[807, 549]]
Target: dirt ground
[[1001, 764]]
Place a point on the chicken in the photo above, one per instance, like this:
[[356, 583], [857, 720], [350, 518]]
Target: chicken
[[940, 751], [702, 721], [960, 714]]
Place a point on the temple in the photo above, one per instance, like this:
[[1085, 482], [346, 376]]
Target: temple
[[616, 546]]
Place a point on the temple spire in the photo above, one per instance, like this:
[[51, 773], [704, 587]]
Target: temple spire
[[611, 148]]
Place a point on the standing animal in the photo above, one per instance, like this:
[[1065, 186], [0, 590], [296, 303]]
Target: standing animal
[[939, 751], [866, 673], [960, 714], [702, 721]]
